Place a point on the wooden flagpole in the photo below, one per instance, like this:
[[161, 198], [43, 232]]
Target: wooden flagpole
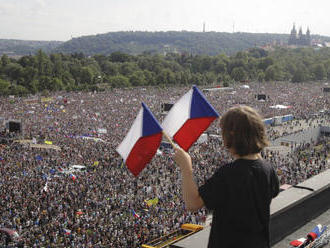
[[169, 140]]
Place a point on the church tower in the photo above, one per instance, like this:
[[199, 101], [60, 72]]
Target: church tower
[[308, 37], [293, 36], [299, 39], [300, 34]]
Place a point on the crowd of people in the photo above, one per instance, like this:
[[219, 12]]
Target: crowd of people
[[107, 206]]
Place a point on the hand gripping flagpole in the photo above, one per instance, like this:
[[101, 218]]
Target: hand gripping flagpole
[[169, 140]]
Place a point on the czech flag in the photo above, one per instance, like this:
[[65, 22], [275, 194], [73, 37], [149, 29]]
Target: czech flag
[[142, 141], [135, 214], [73, 177], [67, 231], [316, 232], [188, 118], [298, 242]]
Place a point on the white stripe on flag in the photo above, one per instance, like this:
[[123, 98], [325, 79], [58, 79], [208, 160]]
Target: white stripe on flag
[[178, 115], [132, 136]]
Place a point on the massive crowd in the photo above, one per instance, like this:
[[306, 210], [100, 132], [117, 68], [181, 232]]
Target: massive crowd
[[105, 206]]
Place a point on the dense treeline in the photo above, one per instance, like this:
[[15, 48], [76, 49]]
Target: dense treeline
[[26, 47], [55, 72]]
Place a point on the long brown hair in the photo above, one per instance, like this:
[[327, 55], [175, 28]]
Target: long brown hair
[[243, 130]]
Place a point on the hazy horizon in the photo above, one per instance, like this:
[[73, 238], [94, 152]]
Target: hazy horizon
[[146, 31], [61, 20]]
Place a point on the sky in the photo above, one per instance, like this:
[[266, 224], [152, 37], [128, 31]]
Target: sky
[[65, 19]]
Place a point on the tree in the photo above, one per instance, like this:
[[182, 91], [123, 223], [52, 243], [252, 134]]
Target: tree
[[182, 77], [100, 58], [261, 76], [45, 83], [26, 61], [258, 52], [273, 72], [264, 63], [238, 74], [206, 63], [196, 64], [120, 57], [299, 75], [4, 60], [270, 73], [18, 90], [119, 81], [291, 67], [319, 71], [58, 65], [33, 86], [67, 79], [14, 71], [4, 87], [75, 72], [86, 75], [236, 63], [241, 55], [149, 77], [44, 64], [210, 78], [56, 84], [110, 68], [220, 67], [137, 78], [197, 78], [29, 74], [165, 77], [78, 56], [128, 68]]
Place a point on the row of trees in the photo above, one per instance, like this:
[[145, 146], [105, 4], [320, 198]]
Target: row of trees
[[55, 72]]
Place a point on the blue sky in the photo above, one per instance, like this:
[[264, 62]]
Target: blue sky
[[63, 19]]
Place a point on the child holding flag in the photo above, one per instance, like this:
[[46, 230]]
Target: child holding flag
[[240, 192]]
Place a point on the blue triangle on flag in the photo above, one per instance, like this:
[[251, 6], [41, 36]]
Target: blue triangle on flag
[[200, 107], [150, 124]]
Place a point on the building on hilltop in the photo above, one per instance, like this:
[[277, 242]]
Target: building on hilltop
[[300, 39]]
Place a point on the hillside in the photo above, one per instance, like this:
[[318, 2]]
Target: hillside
[[209, 43], [25, 47]]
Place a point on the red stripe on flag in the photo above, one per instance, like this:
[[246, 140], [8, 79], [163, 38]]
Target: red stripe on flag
[[142, 152], [191, 130]]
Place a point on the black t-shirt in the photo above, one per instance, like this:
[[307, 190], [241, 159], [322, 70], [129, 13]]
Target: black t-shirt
[[240, 194]]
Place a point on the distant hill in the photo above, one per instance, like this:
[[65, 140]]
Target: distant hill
[[208, 43], [25, 47]]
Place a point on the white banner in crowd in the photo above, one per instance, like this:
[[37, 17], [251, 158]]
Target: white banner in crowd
[[102, 130]]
